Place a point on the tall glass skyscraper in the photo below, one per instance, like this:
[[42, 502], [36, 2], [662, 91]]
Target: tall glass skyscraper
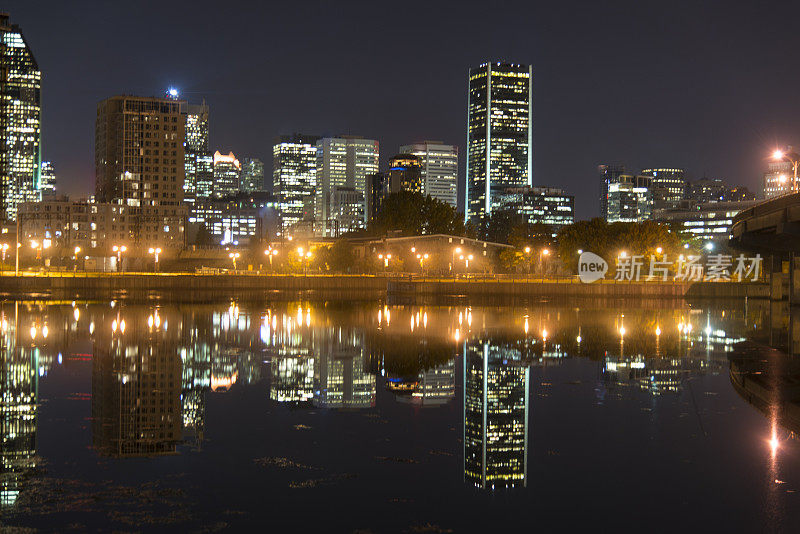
[[499, 134], [294, 176], [227, 173], [20, 119], [252, 175]]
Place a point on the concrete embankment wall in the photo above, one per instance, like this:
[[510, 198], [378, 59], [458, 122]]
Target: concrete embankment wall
[[200, 288]]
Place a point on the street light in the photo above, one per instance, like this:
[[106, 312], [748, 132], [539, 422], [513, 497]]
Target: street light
[[4, 248], [270, 252], [75, 257], [456, 250], [789, 156], [233, 256], [544, 252], [119, 249], [155, 252], [385, 259]]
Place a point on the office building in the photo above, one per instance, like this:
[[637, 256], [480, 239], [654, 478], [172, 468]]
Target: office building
[[544, 205], [343, 164], [47, 180], [345, 211], [707, 220], [252, 179], [20, 119], [237, 219], [716, 190], [625, 197], [667, 186], [405, 174], [439, 167], [778, 179], [294, 177], [499, 134], [227, 172], [197, 158], [496, 391]]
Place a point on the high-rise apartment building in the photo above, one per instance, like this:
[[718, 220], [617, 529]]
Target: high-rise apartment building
[[342, 163], [197, 158], [47, 179], [439, 168], [20, 119], [294, 176], [139, 164], [668, 187], [499, 134], [252, 179], [609, 175], [496, 390], [630, 199], [227, 172]]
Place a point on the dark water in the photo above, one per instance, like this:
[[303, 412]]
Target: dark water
[[299, 417]]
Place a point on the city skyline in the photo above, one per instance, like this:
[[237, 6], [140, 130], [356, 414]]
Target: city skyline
[[576, 109]]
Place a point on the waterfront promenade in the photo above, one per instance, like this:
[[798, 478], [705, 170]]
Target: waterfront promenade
[[245, 284]]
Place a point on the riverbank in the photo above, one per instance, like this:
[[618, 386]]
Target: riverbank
[[213, 287]]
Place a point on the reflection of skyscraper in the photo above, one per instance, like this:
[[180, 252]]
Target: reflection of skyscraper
[[342, 377], [495, 416], [18, 392], [434, 387], [136, 391], [195, 382], [292, 377]]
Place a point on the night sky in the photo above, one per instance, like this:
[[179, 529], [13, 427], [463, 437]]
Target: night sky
[[708, 87]]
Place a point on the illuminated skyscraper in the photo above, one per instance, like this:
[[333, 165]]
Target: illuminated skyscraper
[[227, 172], [439, 167], [294, 175], [496, 392], [778, 179], [196, 152], [499, 134], [252, 179], [342, 162], [47, 179], [20, 121]]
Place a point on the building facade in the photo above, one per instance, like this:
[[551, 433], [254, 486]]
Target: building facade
[[227, 173], [630, 199], [499, 134], [197, 158], [544, 205], [342, 163], [439, 167], [707, 221], [778, 179], [20, 119], [252, 179], [405, 174], [496, 391], [238, 219], [47, 180], [294, 177], [668, 186]]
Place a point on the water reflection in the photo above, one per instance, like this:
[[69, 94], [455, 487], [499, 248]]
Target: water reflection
[[155, 369]]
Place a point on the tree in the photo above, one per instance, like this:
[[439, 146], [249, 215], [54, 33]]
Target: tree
[[412, 213], [338, 257], [203, 237]]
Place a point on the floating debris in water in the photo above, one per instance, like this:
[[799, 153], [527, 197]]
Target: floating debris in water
[[283, 463]]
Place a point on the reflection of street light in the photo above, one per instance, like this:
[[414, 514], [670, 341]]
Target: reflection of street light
[[155, 252], [119, 250]]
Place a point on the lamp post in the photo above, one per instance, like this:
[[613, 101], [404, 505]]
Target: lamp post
[[528, 261], [466, 259], [270, 252], [792, 157], [155, 251], [119, 249], [544, 252], [456, 250], [385, 258], [75, 257], [233, 256], [422, 258]]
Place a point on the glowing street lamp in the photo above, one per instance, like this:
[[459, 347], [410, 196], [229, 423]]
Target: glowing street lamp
[[385, 258], [456, 250], [119, 249], [270, 252], [155, 252], [4, 248], [233, 256], [76, 251]]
